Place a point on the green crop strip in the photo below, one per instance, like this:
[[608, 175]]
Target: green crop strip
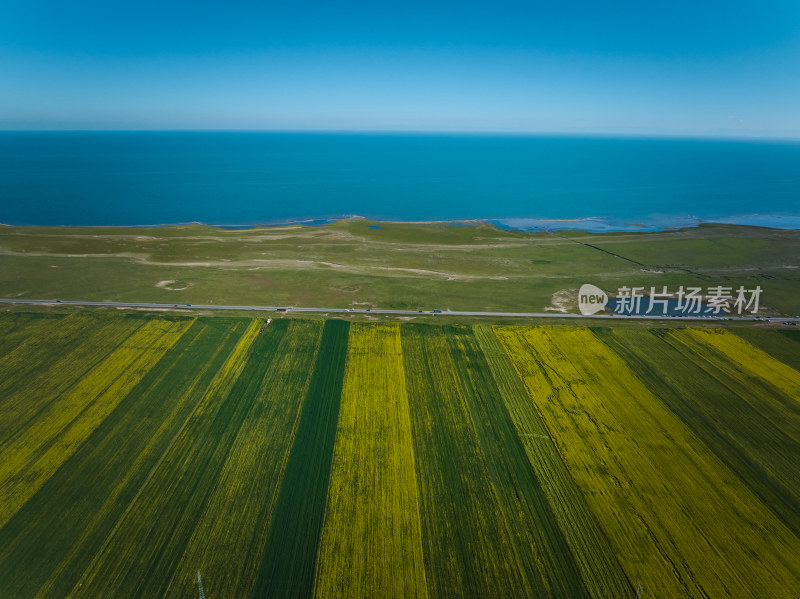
[[772, 388], [42, 333], [15, 328], [287, 564], [36, 374], [58, 429], [34, 339], [467, 546]]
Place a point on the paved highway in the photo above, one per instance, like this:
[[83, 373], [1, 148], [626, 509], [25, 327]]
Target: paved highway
[[55, 302]]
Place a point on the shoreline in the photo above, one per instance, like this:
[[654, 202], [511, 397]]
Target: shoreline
[[590, 224]]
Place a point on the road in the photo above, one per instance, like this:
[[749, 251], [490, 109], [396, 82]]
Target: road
[[55, 302]]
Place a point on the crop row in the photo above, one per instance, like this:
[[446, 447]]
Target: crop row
[[477, 556], [722, 413], [783, 344], [143, 549], [56, 430], [38, 371]]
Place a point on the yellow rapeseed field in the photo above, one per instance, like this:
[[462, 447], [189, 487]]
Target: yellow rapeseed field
[[371, 542], [599, 568], [680, 521]]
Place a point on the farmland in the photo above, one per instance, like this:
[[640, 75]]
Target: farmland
[[306, 458]]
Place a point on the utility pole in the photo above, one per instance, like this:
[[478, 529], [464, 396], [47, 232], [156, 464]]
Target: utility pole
[[200, 586]]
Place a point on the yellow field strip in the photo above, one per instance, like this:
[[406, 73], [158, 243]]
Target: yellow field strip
[[236, 517], [54, 436], [46, 340], [371, 543], [753, 360], [231, 370], [50, 378], [745, 359], [680, 521]]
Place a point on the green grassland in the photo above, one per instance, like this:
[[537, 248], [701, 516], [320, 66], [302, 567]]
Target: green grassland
[[403, 266], [319, 458]]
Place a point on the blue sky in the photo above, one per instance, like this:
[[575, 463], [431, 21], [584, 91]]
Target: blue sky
[[618, 67]]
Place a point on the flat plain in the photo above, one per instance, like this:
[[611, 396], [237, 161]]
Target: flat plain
[[360, 264], [326, 458]]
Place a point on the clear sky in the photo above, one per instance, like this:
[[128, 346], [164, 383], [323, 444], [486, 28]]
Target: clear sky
[[700, 67]]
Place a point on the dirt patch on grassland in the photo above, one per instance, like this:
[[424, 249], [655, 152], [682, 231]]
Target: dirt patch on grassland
[[173, 285], [563, 301]]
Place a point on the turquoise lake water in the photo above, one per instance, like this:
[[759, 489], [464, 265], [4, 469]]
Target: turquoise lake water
[[144, 178]]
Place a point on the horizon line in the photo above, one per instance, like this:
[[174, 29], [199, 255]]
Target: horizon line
[[427, 132]]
